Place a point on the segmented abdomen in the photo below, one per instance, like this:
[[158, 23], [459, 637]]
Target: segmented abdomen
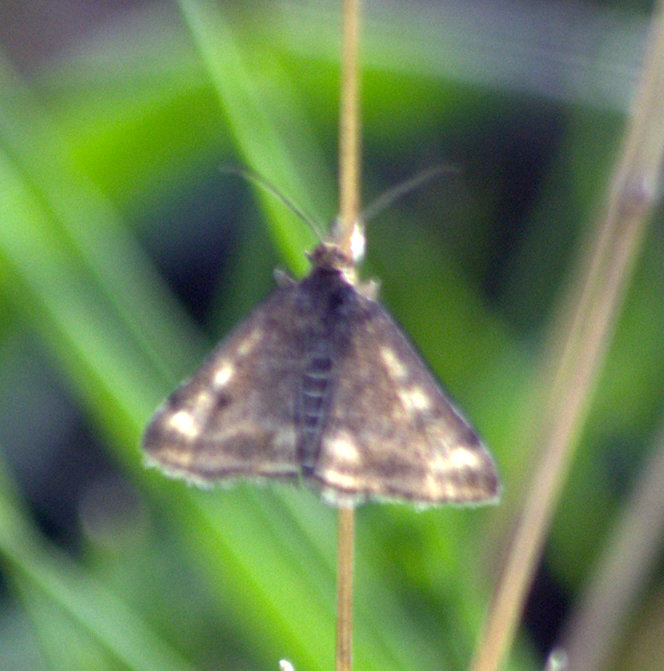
[[313, 404]]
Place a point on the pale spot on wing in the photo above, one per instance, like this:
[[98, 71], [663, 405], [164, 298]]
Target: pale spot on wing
[[457, 459], [250, 342], [462, 457], [415, 398], [443, 481], [223, 375], [431, 486], [396, 369], [343, 449], [284, 437], [185, 423], [340, 481]]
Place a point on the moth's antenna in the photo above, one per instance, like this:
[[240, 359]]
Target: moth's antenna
[[259, 180], [386, 199]]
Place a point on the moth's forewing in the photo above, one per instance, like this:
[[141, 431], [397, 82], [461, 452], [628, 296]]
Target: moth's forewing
[[391, 432], [235, 416]]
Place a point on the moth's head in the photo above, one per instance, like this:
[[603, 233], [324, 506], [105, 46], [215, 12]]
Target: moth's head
[[329, 256]]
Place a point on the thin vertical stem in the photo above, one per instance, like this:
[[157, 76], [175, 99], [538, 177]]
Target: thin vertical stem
[[346, 541], [584, 332], [626, 563], [349, 208], [349, 128]]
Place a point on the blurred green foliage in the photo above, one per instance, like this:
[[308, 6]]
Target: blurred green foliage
[[110, 179]]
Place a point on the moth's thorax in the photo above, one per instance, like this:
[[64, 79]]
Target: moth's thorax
[[329, 256], [326, 300]]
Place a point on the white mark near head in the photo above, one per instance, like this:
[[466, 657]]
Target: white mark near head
[[357, 242]]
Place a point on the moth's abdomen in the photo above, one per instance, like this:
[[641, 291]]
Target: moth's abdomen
[[313, 401]]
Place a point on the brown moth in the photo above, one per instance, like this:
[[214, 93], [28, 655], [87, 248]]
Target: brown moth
[[319, 385]]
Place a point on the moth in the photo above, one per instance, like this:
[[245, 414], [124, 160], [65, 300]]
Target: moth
[[319, 385]]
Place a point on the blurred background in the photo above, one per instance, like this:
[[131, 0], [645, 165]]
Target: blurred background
[[126, 253]]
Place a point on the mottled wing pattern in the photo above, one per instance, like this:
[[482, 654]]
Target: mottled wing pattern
[[391, 433], [223, 423]]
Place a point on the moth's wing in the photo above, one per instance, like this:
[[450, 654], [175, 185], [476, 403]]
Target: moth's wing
[[235, 416], [391, 432]]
